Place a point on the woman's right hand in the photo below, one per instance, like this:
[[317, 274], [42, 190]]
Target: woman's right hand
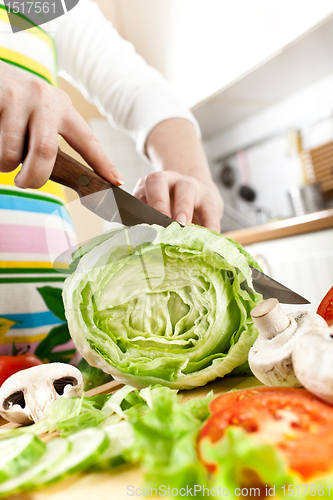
[[28, 104]]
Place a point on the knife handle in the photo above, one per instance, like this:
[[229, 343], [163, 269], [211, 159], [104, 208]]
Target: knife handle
[[73, 174]]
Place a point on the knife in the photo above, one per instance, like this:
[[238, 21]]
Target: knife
[[116, 205]]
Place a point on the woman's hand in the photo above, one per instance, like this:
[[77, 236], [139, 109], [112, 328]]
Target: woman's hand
[[182, 187], [183, 198], [28, 104]]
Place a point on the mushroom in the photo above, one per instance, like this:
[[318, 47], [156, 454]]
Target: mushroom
[[313, 362], [270, 357], [25, 395]]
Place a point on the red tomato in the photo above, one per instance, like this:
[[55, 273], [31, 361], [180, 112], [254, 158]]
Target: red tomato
[[325, 309], [224, 401], [294, 420], [12, 364]]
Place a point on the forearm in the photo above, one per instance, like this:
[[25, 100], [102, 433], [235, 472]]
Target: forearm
[[174, 145]]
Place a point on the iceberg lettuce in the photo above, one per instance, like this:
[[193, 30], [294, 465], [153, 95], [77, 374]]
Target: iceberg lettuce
[[153, 305]]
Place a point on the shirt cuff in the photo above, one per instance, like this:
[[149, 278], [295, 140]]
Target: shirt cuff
[[153, 106]]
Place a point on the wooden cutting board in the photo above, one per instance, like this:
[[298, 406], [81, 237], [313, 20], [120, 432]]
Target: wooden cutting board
[[113, 485]]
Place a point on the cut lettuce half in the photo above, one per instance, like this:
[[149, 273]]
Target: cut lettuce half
[[171, 306]]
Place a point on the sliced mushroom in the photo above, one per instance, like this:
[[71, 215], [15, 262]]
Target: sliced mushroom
[[270, 357], [25, 395], [313, 362]]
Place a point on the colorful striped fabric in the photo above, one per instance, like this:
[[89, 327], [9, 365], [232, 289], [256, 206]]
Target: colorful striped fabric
[[32, 223], [32, 49], [32, 227]]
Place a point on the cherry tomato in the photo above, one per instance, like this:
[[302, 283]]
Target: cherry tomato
[[325, 309], [294, 420], [12, 364]]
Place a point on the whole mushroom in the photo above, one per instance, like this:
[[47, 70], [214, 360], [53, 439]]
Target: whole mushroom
[[25, 395], [270, 357], [313, 362]]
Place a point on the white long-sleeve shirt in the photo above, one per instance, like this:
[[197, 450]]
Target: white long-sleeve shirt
[[107, 69]]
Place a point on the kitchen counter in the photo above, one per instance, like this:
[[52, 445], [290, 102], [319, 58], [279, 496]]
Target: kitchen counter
[[308, 223]]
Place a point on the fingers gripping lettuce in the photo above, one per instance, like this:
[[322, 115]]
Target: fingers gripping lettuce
[[161, 305]]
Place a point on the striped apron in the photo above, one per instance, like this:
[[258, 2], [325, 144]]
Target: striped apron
[[29, 219]]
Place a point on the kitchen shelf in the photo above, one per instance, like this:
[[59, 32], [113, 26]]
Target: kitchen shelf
[[308, 223], [305, 60]]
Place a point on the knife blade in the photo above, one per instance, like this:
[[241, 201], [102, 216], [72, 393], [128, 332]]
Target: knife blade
[[116, 205], [270, 288]]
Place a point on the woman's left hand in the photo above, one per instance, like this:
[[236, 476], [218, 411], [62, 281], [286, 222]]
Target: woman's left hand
[[182, 197]]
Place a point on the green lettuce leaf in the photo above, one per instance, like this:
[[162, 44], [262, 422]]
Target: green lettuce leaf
[[90, 418], [93, 377], [244, 462], [165, 440], [121, 439], [167, 310], [68, 416], [61, 410]]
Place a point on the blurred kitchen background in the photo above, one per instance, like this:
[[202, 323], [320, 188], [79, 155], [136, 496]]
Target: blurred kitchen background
[[258, 76]]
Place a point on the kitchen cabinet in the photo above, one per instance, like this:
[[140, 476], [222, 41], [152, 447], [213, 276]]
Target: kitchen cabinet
[[303, 263], [204, 46], [306, 59], [297, 252]]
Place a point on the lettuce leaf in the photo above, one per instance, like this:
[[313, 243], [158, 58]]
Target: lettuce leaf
[[170, 306], [243, 461], [165, 440]]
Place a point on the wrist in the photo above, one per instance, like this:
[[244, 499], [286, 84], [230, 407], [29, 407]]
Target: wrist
[[174, 145]]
